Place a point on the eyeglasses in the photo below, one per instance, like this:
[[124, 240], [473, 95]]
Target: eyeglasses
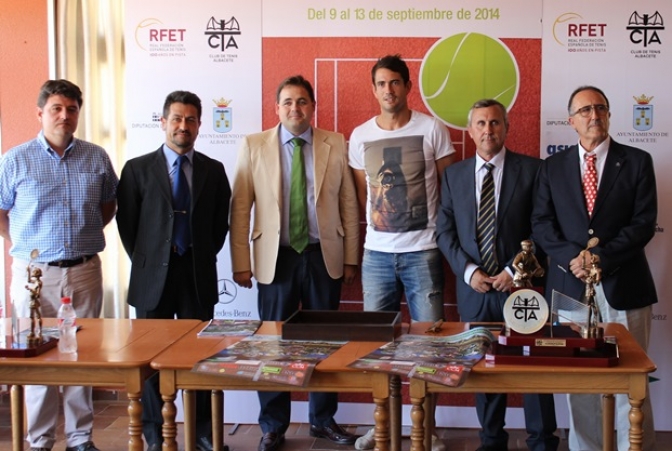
[[587, 111]]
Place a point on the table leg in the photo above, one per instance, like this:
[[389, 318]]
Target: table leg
[[395, 413], [189, 403], [135, 442], [636, 419], [608, 422], [169, 429], [217, 407], [381, 415], [418, 424], [428, 422], [17, 406]]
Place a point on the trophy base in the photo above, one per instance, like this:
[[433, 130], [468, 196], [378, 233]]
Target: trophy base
[[605, 356], [553, 345], [21, 349], [552, 337]]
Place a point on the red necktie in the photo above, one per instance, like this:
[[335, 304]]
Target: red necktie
[[590, 183]]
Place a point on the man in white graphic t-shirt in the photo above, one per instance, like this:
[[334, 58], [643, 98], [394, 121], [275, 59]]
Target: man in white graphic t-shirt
[[397, 159]]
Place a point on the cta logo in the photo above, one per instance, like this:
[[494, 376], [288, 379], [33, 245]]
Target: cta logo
[[644, 28], [222, 33]]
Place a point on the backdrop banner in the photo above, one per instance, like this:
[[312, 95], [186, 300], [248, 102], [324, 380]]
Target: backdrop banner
[[529, 54]]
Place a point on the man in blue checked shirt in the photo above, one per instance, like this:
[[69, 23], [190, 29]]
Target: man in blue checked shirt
[[57, 193]]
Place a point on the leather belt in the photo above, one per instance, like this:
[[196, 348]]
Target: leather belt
[[71, 263]]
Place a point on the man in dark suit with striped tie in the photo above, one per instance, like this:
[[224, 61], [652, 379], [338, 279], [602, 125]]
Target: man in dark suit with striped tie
[[486, 204]]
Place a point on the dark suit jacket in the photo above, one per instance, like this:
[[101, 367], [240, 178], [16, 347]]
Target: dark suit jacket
[[145, 222], [624, 220], [456, 224]]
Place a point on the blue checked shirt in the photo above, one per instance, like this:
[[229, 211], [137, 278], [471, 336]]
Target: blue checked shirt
[[54, 203]]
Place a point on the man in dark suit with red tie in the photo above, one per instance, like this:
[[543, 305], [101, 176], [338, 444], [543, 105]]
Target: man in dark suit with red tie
[[606, 190]]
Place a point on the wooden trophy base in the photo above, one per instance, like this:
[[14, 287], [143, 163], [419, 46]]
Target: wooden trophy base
[[553, 345], [21, 349]]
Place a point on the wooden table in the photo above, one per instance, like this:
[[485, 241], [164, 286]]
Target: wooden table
[[330, 375], [629, 377], [112, 352]]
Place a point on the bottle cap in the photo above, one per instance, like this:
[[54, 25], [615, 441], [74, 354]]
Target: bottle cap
[[65, 300]]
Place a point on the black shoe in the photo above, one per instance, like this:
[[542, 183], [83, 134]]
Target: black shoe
[[271, 441], [333, 433], [86, 446], [155, 447], [205, 444]]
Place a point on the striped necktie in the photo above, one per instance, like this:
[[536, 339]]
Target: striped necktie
[[485, 226]]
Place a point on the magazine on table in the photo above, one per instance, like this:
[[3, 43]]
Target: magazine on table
[[269, 358], [229, 327], [443, 360]]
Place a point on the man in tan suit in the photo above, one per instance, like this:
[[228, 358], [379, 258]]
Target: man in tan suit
[[298, 258]]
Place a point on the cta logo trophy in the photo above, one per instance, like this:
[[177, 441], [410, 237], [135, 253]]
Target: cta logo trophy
[[526, 310], [574, 338]]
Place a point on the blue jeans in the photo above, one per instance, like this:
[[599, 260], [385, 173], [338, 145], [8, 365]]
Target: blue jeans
[[386, 276]]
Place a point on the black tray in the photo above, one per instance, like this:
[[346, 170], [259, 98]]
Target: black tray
[[332, 325]]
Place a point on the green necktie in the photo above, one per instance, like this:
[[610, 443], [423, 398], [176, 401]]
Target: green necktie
[[298, 208]]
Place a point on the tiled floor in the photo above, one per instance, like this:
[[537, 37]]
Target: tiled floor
[[111, 429]]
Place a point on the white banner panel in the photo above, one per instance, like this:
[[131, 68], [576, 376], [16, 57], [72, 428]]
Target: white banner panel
[[234, 54], [625, 49], [215, 52]]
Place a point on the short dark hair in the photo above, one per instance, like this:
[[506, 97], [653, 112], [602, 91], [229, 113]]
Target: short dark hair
[[295, 80], [581, 89], [393, 63], [186, 97], [60, 87], [485, 103]]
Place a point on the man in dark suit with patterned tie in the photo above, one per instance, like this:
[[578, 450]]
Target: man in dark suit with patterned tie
[[622, 216], [173, 220], [486, 203]]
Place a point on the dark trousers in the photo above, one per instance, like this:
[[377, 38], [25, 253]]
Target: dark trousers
[[540, 421], [179, 299], [301, 281]]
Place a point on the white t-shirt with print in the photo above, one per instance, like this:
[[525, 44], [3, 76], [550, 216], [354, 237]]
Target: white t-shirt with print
[[402, 184]]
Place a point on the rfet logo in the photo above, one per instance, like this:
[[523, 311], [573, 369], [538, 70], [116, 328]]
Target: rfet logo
[[569, 27], [644, 28], [151, 33], [222, 33]]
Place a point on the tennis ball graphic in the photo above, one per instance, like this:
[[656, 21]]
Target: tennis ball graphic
[[463, 68]]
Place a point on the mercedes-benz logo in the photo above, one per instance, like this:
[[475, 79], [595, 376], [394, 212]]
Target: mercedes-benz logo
[[227, 291]]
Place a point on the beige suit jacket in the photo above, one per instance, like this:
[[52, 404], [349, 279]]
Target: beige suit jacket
[[257, 184]]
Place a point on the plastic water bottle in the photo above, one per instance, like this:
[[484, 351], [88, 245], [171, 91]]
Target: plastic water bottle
[[67, 327]]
